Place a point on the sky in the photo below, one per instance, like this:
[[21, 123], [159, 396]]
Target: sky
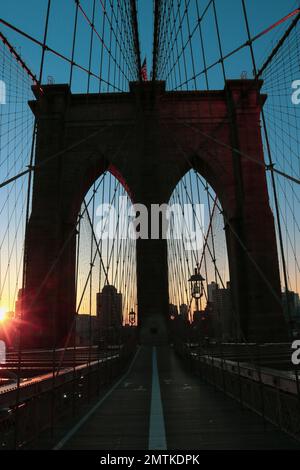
[[146, 18], [29, 16]]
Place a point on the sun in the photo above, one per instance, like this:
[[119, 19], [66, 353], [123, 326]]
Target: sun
[[3, 313]]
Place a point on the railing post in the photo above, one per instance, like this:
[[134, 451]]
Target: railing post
[[261, 386]]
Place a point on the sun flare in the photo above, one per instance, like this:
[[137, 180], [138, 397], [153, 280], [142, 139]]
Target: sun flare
[[3, 314]]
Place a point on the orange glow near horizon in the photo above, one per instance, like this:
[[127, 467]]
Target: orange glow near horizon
[[3, 314]]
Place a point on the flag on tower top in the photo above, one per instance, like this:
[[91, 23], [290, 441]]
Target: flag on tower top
[[144, 71]]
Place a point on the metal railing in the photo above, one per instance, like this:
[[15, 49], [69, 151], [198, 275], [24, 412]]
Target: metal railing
[[270, 392], [48, 403]]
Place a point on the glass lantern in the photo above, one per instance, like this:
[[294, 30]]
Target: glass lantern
[[197, 287], [132, 316]]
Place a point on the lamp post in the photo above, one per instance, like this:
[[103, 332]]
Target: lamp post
[[197, 287], [132, 316]]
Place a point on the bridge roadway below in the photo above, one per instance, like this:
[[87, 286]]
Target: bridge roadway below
[[158, 404]]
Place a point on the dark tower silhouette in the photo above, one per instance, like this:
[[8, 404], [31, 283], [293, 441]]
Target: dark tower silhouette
[[172, 132]]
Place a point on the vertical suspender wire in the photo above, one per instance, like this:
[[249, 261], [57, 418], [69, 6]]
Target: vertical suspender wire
[[73, 43], [271, 166], [90, 341], [189, 200], [184, 262], [210, 227], [100, 334], [167, 39], [173, 258], [164, 63], [115, 254], [209, 231], [109, 57], [195, 222], [202, 46], [74, 391], [29, 186], [231, 114], [100, 342], [181, 19], [177, 48], [92, 265], [157, 5], [74, 381], [208, 199], [55, 360], [190, 43], [207, 190], [91, 262], [212, 244], [167, 60], [106, 281], [116, 53], [274, 189], [108, 362], [177, 257], [183, 266], [102, 46], [136, 43], [91, 48], [58, 360], [233, 138], [173, 261], [8, 192]]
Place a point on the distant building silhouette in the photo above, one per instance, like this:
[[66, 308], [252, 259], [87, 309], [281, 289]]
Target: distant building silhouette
[[222, 321], [109, 308], [201, 323], [291, 307], [211, 291], [86, 329], [173, 311], [184, 312]]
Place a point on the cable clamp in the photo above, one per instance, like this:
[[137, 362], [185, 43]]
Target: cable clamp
[[270, 167]]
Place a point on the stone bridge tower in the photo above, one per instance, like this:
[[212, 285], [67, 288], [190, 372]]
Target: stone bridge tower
[[149, 139]]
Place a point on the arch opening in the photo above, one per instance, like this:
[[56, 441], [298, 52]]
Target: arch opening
[[198, 242], [105, 271]]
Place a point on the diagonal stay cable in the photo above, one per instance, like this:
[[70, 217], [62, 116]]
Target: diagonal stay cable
[[33, 168], [97, 252], [259, 270], [44, 281], [239, 48], [243, 154], [55, 52]]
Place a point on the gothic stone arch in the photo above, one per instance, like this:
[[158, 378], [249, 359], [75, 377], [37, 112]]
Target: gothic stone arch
[[150, 138]]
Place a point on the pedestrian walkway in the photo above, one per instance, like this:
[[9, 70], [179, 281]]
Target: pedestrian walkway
[[159, 405]]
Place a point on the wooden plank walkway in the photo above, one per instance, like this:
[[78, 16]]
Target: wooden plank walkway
[[192, 414]]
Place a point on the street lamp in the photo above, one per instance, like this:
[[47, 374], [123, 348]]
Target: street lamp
[[197, 287], [197, 292], [132, 316]]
